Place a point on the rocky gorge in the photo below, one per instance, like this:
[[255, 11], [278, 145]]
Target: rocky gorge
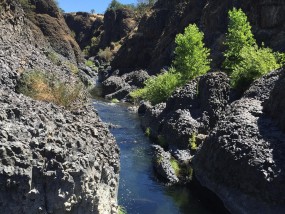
[[65, 160], [231, 142]]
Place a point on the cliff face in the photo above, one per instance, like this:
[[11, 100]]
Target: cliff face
[[47, 22], [53, 160], [151, 45], [97, 32]]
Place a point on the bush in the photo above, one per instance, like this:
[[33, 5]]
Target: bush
[[89, 63], [106, 54], [192, 142], [158, 89], [239, 35], [191, 55], [254, 63], [41, 86]]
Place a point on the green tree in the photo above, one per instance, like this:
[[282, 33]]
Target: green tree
[[254, 63], [114, 5], [239, 35], [191, 55]]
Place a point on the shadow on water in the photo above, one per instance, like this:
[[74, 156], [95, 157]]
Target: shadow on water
[[139, 191]]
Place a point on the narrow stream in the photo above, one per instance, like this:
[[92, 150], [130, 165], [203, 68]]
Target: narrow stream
[[139, 191]]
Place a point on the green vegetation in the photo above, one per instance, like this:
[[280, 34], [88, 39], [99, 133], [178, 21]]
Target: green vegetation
[[192, 142], [72, 67], [89, 63], [244, 60], [114, 100], [122, 210], [175, 165], [239, 36], [148, 131], [191, 55], [158, 89], [254, 63], [191, 60], [54, 58], [42, 86]]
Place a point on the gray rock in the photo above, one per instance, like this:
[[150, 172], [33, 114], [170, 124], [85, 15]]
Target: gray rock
[[163, 166], [242, 160]]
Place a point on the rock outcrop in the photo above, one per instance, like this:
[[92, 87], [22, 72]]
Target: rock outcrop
[[119, 87], [95, 32], [53, 160], [85, 26], [242, 160], [191, 110]]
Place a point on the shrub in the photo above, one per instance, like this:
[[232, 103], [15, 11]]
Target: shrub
[[254, 63], [191, 55], [105, 54], [41, 86], [175, 165], [239, 35], [158, 89], [89, 63], [192, 142]]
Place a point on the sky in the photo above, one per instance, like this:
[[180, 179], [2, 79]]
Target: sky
[[87, 5]]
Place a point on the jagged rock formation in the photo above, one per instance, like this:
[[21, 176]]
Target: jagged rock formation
[[192, 109], [151, 46], [53, 160], [119, 87], [242, 160]]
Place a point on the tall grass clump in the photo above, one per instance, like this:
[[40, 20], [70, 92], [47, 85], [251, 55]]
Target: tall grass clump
[[45, 87]]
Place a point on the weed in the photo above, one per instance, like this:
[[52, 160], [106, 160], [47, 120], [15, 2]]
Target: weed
[[148, 131]]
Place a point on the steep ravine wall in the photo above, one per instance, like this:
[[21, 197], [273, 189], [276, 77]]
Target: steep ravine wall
[[52, 160], [151, 46]]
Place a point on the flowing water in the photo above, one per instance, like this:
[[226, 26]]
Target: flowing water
[[139, 190]]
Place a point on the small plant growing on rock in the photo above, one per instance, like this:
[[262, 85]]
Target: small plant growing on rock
[[192, 142], [114, 100], [148, 131], [89, 63], [175, 165], [122, 210], [191, 55]]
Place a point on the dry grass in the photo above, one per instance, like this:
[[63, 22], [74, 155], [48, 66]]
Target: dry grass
[[44, 87], [106, 54]]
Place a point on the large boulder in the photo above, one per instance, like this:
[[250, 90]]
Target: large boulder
[[242, 160]]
